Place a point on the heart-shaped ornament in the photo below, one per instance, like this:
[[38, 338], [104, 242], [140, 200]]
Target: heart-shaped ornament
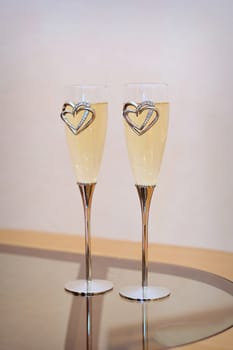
[[77, 116], [146, 109]]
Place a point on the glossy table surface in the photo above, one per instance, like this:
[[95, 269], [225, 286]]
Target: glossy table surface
[[36, 311]]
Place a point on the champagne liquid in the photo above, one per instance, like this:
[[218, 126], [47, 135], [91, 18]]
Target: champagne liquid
[[86, 148], [146, 151]]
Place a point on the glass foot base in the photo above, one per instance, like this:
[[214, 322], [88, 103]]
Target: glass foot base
[[144, 293], [93, 287]]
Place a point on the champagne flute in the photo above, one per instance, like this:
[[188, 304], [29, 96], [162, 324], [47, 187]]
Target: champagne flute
[[85, 116], [146, 122]]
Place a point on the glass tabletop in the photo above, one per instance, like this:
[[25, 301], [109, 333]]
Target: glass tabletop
[[36, 311]]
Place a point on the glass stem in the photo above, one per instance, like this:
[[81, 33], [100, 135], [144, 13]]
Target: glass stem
[[86, 191], [145, 194]]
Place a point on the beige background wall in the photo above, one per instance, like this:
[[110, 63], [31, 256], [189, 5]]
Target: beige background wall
[[188, 44]]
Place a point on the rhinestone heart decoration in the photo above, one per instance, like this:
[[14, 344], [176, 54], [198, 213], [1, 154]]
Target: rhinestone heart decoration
[[77, 116], [150, 119]]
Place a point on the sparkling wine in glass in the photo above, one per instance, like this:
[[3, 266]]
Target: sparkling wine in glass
[[145, 115], [85, 117]]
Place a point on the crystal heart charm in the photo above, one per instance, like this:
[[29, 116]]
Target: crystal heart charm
[[77, 116], [145, 109]]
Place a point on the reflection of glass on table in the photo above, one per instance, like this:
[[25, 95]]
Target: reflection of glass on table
[[200, 306]]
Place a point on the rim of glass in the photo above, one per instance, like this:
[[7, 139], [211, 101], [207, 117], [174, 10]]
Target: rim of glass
[[87, 86], [146, 84], [91, 93]]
